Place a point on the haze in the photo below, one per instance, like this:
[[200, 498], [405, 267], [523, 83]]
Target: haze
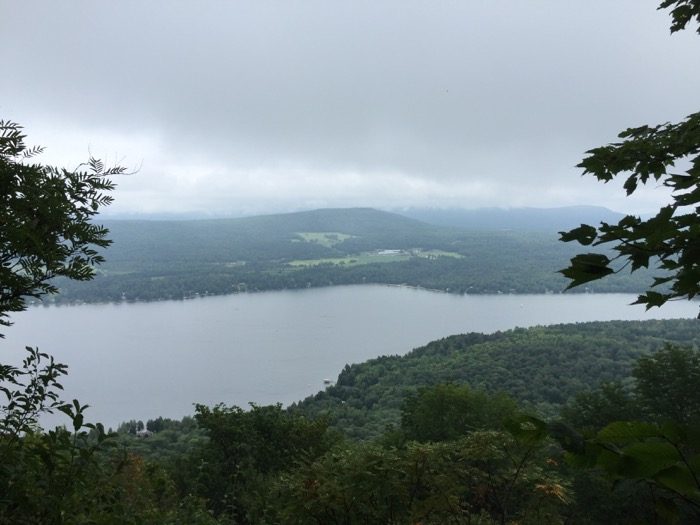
[[231, 108]]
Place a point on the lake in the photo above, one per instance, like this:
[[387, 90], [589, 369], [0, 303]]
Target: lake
[[143, 360]]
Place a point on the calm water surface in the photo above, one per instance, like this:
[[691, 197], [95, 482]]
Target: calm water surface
[[143, 360]]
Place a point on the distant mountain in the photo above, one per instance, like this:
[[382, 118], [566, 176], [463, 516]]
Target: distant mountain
[[355, 221], [157, 259], [352, 221], [521, 219], [264, 237]]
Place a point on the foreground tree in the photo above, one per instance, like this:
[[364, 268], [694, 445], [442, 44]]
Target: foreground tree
[[485, 477], [662, 453], [671, 239], [644, 438], [446, 411], [45, 232], [45, 221], [246, 451], [667, 385]]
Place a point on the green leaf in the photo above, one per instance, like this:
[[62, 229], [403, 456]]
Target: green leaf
[[679, 479], [584, 234], [66, 409], [587, 267], [527, 429], [630, 185], [626, 431], [651, 299], [667, 509], [694, 464], [646, 459]]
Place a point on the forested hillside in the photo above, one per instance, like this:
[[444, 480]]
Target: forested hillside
[[443, 434], [542, 368], [152, 260]]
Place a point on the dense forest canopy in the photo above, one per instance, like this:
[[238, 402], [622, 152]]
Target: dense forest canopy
[[542, 368], [447, 433]]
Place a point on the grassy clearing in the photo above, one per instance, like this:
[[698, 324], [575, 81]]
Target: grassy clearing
[[234, 264], [373, 257], [429, 254], [351, 260], [327, 239]]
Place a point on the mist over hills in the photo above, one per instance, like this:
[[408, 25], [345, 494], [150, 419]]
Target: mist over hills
[[520, 219], [496, 218]]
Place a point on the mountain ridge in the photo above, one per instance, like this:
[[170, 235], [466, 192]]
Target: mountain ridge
[[519, 219], [488, 218]]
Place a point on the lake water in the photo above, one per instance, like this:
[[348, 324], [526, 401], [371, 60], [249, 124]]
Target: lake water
[[143, 360]]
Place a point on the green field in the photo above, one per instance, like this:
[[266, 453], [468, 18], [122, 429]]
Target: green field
[[350, 260], [374, 257], [430, 254], [327, 239]]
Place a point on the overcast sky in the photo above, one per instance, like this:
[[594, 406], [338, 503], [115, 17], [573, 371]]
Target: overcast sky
[[232, 108]]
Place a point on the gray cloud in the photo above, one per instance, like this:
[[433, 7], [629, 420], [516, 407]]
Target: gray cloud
[[247, 106]]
